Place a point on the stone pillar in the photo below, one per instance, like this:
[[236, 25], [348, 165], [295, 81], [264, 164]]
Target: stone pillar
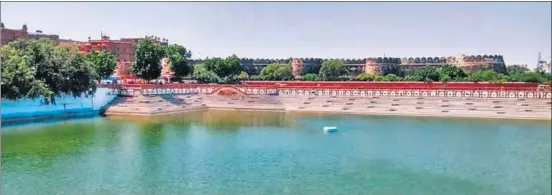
[[297, 65]]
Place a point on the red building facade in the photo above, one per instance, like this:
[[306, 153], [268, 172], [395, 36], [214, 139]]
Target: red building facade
[[123, 49], [9, 35]]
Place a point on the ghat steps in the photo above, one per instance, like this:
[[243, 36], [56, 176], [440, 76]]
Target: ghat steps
[[414, 106]]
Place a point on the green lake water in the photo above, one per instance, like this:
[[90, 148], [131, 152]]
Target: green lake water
[[250, 153]]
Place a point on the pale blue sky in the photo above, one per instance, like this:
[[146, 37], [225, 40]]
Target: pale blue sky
[[307, 29]]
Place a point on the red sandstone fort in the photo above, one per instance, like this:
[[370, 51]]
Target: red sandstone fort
[[124, 48]]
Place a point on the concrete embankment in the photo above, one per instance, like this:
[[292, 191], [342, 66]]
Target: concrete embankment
[[155, 105], [66, 107], [505, 108], [534, 109]]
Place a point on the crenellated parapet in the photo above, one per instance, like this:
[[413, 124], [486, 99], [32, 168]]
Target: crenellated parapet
[[477, 62], [381, 66], [377, 65]]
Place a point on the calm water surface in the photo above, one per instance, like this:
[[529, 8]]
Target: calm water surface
[[218, 152]]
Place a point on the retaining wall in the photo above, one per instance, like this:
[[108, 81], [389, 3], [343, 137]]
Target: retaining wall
[[440, 103], [66, 106]]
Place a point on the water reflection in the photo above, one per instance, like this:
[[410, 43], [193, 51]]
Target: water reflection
[[217, 120]]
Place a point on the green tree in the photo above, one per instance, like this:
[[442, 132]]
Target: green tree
[[547, 76], [331, 70], [483, 75], [232, 66], [427, 73], [202, 75], [412, 78], [228, 67], [103, 62], [18, 79], [451, 73], [277, 72], [309, 77], [269, 72], [256, 78], [393, 77], [533, 77], [365, 77], [78, 74], [516, 70], [388, 77], [178, 56], [445, 78], [55, 70], [147, 60], [284, 73], [243, 76]]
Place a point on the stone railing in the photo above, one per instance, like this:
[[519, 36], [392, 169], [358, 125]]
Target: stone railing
[[340, 92]]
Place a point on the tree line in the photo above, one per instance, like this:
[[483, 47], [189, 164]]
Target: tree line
[[335, 70], [37, 68]]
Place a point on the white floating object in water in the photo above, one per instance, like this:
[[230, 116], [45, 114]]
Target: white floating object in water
[[330, 129]]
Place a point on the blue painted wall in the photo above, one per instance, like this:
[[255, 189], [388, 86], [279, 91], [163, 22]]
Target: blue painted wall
[[32, 108]]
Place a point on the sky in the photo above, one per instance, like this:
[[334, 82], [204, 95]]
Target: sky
[[516, 30]]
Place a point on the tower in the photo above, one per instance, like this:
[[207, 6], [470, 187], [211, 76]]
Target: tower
[[297, 65], [541, 64]]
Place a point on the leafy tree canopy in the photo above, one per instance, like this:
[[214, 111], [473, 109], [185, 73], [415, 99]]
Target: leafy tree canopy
[[427, 73], [534, 77], [487, 75], [228, 67], [450, 72], [147, 59], [104, 63], [34, 68], [309, 77], [243, 76], [178, 60], [516, 70], [332, 70], [202, 75], [389, 77], [277, 72], [365, 77]]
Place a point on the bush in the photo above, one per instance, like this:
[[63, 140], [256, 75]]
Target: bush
[[203, 75], [344, 78], [393, 77], [427, 73], [332, 70], [309, 77], [243, 76], [412, 78], [276, 72], [533, 77], [451, 73], [256, 78], [365, 77]]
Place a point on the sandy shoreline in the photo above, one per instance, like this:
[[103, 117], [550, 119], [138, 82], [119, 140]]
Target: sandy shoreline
[[519, 109]]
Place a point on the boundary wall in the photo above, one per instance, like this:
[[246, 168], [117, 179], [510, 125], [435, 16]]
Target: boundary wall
[[364, 89]]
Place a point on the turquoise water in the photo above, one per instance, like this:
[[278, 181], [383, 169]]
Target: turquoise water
[[220, 152]]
